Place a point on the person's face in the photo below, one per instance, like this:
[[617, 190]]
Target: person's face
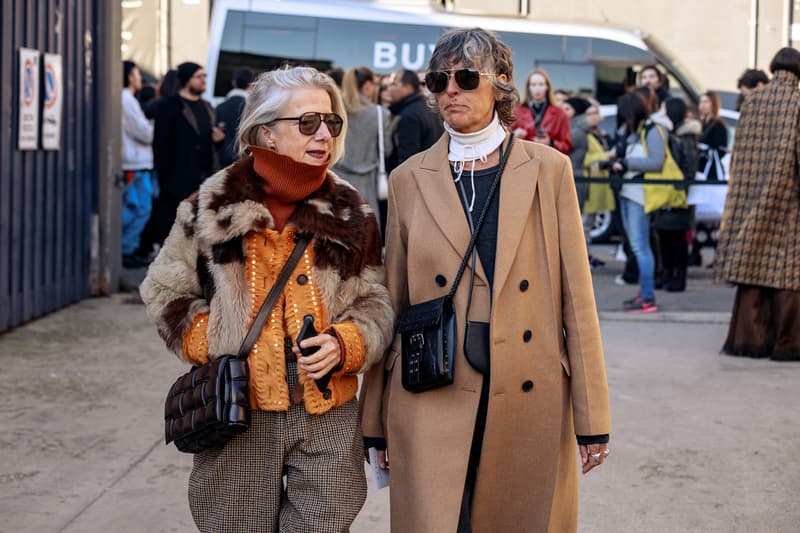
[[568, 109], [284, 136], [385, 96], [398, 90], [592, 114], [197, 83], [468, 111], [422, 88], [560, 98], [537, 86], [704, 106], [135, 79], [649, 78]]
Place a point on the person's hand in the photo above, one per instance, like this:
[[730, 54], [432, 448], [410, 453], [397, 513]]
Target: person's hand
[[520, 132], [592, 455], [328, 357], [595, 167], [617, 167], [218, 133], [612, 154]]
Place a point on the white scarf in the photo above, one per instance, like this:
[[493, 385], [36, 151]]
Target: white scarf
[[466, 147]]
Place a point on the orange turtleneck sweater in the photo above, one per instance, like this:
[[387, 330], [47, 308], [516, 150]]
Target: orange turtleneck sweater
[[286, 181]]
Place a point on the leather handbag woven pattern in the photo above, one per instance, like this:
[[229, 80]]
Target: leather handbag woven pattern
[[208, 405]]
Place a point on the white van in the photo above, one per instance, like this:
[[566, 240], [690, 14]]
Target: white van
[[264, 34]]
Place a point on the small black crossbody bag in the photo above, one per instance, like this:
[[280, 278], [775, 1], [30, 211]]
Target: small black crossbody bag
[[428, 330]]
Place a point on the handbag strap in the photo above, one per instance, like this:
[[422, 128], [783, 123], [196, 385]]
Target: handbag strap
[[381, 162], [273, 295], [479, 225]]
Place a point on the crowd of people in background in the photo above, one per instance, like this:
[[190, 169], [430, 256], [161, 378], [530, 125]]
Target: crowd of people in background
[[175, 139]]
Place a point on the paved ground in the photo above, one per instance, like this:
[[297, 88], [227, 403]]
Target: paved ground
[[701, 442]]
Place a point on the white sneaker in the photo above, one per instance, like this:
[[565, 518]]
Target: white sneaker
[[618, 280]]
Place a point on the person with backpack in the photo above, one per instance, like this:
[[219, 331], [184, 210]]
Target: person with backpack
[[647, 155], [672, 223]]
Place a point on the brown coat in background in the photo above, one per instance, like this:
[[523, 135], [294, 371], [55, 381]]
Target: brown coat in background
[[759, 241], [548, 376]]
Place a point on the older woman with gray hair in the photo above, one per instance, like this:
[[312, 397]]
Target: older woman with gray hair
[[206, 286], [490, 444]]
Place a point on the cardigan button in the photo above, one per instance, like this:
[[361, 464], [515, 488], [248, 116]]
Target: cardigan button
[[441, 280], [327, 394], [527, 386], [527, 335], [302, 279], [523, 285]]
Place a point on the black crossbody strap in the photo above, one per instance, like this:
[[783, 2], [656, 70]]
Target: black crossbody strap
[[478, 226], [274, 294]]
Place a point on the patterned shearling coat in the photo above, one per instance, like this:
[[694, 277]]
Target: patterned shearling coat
[[209, 278], [759, 242]]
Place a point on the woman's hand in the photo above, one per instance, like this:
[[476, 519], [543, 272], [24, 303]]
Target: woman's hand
[[611, 154], [592, 455], [328, 357], [520, 132], [617, 167], [545, 139]]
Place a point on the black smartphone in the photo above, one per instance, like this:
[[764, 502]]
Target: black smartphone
[[306, 332]]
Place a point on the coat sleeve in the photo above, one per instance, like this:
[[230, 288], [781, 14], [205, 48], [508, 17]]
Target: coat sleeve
[[135, 123], [171, 291], [163, 138], [375, 388], [560, 132], [588, 384], [524, 120], [367, 324], [580, 145]]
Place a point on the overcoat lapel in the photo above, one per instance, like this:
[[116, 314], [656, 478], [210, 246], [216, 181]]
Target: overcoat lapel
[[439, 194], [517, 190]]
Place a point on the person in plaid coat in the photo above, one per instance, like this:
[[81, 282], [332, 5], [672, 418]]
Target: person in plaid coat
[[759, 242]]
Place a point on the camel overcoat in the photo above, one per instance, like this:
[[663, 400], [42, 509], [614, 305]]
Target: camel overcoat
[[548, 378]]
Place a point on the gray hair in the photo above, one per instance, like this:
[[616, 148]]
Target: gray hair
[[270, 91], [482, 50]]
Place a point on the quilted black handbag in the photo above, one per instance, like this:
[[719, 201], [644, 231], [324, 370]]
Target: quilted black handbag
[[210, 404], [428, 330]]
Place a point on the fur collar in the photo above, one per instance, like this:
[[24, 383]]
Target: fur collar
[[231, 203]]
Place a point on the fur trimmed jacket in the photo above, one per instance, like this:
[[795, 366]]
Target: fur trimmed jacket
[[223, 255]]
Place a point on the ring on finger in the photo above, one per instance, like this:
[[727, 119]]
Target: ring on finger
[[596, 456]]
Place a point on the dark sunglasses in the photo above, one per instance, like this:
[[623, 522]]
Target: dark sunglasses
[[467, 79], [310, 122]]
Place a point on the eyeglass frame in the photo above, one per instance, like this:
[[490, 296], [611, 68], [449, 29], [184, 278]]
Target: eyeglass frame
[[451, 73], [321, 116]]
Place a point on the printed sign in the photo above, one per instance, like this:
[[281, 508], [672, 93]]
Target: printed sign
[[53, 96], [28, 138]]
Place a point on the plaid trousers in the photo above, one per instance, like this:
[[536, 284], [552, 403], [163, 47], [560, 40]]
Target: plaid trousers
[[240, 489]]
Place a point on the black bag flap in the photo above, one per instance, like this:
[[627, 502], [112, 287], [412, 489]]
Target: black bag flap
[[425, 315]]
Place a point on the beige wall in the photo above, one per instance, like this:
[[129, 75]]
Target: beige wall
[[711, 38]]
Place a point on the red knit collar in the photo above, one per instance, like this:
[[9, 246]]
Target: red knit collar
[[286, 180]]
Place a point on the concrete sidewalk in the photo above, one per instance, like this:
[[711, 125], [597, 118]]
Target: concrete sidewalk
[[701, 442]]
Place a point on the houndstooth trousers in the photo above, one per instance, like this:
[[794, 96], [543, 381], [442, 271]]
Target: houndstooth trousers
[[239, 488]]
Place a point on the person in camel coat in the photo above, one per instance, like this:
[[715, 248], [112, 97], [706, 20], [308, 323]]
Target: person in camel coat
[[493, 451]]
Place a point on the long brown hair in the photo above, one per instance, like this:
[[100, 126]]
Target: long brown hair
[[713, 97], [548, 95]]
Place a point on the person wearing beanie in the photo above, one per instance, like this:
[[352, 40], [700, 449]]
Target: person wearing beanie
[[579, 106], [184, 148], [229, 243]]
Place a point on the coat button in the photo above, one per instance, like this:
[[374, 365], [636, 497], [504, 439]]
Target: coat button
[[441, 280], [527, 335], [523, 285], [302, 279], [527, 386]]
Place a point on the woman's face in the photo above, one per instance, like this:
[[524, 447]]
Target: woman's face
[[649, 78], [704, 106], [537, 86], [568, 109], [284, 136], [592, 114], [368, 89], [385, 96], [468, 111]]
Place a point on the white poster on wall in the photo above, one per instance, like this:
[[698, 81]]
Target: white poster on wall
[[53, 96], [28, 138]]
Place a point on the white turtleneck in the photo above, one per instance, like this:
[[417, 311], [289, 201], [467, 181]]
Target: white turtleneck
[[469, 147]]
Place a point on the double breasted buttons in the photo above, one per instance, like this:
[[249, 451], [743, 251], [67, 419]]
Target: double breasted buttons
[[302, 279], [527, 385], [527, 335], [523, 285], [441, 280]]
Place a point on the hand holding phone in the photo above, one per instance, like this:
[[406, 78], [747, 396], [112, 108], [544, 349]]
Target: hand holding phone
[[308, 331]]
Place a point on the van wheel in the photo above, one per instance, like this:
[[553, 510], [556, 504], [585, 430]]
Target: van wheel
[[602, 229]]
